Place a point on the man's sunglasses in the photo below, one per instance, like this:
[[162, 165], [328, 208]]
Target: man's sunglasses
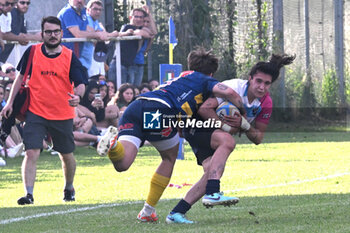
[[10, 4], [10, 70], [24, 3]]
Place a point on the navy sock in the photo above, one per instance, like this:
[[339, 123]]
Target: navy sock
[[213, 186], [181, 207], [29, 190], [69, 186]]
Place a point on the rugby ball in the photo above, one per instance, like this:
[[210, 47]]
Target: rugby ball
[[226, 109]]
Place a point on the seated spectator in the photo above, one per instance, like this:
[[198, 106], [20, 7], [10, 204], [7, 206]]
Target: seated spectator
[[95, 99], [111, 89], [14, 143], [154, 83], [111, 112], [10, 71], [14, 140], [145, 87], [12, 150], [84, 128], [2, 95], [123, 97], [136, 91], [8, 86], [81, 122]]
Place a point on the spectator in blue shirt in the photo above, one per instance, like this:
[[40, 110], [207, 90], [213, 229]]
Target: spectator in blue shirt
[[75, 25], [94, 9]]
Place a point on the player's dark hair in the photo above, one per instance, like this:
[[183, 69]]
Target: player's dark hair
[[202, 61], [273, 66], [50, 19]]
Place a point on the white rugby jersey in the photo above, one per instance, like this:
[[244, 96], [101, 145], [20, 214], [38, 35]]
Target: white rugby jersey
[[259, 109]]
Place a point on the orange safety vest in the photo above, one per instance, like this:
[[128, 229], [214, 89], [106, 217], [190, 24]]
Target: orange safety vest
[[49, 85]]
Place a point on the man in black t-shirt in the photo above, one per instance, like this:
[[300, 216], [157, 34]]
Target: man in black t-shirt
[[129, 48]]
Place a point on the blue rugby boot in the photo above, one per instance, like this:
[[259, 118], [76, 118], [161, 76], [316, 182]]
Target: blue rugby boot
[[214, 199], [177, 218]]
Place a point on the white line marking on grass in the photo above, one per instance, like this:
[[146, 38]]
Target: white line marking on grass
[[291, 183], [12, 220], [63, 212]]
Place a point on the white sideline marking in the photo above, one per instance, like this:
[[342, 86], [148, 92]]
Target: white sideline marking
[[291, 183], [12, 220]]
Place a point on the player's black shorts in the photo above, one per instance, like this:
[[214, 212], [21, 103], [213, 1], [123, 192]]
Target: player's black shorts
[[37, 127], [200, 143], [140, 120]]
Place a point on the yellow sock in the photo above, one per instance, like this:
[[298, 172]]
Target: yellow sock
[[158, 185], [116, 153]]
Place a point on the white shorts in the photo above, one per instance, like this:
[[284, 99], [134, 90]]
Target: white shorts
[[159, 145]]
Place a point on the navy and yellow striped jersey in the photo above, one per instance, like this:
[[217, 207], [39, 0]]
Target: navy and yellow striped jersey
[[185, 93]]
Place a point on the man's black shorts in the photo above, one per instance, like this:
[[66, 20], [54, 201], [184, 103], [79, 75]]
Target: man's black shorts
[[61, 132]]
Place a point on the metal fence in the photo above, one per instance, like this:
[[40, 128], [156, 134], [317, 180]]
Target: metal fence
[[316, 31]]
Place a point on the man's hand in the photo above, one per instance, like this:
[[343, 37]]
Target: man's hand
[[74, 100], [97, 103], [115, 33], [237, 121], [22, 39], [145, 8], [102, 35], [129, 32], [7, 110], [234, 122]]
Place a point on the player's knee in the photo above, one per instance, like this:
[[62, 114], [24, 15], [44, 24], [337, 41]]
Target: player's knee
[[119, 167], [229, 143]]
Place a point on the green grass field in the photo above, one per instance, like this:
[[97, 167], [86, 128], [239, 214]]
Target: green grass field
[[294, 182]]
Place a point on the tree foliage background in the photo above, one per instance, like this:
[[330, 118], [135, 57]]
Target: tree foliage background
[[241, 33]]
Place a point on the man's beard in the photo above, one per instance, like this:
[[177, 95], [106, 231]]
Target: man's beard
[[52, 46]]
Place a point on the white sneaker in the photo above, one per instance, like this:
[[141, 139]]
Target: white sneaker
[[103, 144], [2, 162], [15, 151], [53, 152]]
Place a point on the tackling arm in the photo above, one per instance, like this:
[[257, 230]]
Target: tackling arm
[[223, 91]]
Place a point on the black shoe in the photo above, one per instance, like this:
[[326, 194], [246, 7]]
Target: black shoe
[[69, 195], [26, 200]]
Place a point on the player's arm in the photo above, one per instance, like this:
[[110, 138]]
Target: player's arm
[[207, 109], [223, 91], [256, 133]]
